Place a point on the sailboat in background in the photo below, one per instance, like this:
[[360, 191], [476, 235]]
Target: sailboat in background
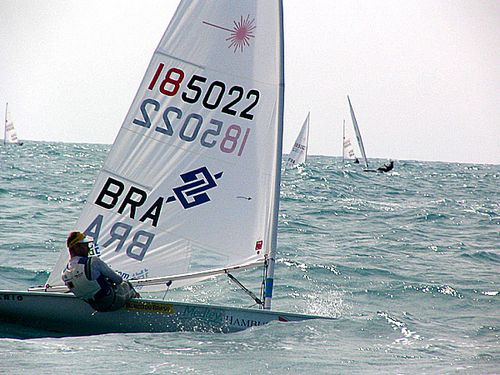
[[298, 154], [348, 144], [10, 134], [347, 147], [191, 186], [353, 150]]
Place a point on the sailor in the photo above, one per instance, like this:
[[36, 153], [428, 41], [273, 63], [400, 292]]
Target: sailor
[[386, 167], [91, 280]]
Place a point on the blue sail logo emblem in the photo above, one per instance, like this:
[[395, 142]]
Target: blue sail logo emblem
[[196, 184]]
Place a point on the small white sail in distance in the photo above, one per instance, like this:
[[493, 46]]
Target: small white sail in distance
[[347, 145], [10, 133], [191, 184], [298, 154], [350, 147], [357, 134]]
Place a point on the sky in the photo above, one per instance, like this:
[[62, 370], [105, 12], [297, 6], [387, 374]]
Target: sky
[[423, 75]]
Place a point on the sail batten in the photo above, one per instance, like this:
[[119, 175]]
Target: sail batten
[[179, 59]]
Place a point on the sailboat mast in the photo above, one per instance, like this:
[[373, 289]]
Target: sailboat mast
[[268, 290], [5, 124]]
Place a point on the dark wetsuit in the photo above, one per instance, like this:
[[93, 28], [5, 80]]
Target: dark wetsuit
[[386, 167]]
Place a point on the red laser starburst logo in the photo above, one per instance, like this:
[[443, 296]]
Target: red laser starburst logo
[[241, 33]]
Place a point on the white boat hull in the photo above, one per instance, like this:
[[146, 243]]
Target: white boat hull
[[63, 314]]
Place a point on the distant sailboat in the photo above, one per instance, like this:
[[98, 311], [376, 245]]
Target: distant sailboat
[[347, 147], [298, 154], [348, 151], [348, 143], [10, 134]]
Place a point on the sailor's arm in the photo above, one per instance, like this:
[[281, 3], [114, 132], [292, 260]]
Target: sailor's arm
[[106, 270]]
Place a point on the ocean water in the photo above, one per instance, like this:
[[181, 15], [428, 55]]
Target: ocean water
[[408, 262]]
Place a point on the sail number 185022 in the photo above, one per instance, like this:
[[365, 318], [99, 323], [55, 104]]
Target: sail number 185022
[[230, 138], [212, 94]]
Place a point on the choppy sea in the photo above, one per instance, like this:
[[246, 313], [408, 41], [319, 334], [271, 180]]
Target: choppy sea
[[408, 261]]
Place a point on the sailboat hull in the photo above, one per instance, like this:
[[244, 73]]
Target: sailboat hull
[[64, 315]]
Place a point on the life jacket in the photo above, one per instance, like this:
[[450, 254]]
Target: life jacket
[[117, 297], [78, 279]]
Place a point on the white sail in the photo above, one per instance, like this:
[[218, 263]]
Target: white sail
[[191, 183], [347, 144], [350, 147], [10, 134], [357, 135], [298, 154]]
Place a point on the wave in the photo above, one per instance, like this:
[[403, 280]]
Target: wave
[[21, 278]]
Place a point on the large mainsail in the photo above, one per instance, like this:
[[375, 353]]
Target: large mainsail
[[298, 154], [358, 134], [191, 183]]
